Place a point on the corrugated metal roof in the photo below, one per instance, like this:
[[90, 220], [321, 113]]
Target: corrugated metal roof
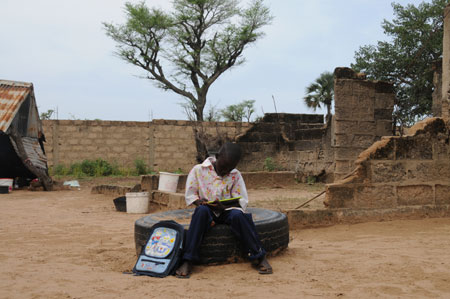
[[12, 95], [34, 152]]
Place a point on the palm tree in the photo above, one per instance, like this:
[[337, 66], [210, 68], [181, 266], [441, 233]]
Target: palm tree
[[320, 92]]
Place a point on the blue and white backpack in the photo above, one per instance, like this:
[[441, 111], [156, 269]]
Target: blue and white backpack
[[162, 252]]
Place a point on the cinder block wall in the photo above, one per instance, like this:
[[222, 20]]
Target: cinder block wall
[[399, 171], [174, 142], [164, 145], [363, 114], [69, 141]]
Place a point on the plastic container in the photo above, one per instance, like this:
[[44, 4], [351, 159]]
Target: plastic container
[[120, 203], [137, 202], [168, 182], [7, 182]]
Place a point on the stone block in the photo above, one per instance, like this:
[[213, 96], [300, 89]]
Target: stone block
[[267, 147], [73, 141], [160, 198], [441, 149], [384, 128], [339, 196], [413, 148], [357, 111], [343, 166], [309, 134], [421, 171], [305, 145], [387, 172], [267, 137], [86, 141], [345, 127], [382, 114], [347, 153], [443, 169], [342, 140], [384, 101], [362, 141], [375, 196], [365, 127], [415, 195], [70, 129], [176, 201], [384, 87], [442, 194]]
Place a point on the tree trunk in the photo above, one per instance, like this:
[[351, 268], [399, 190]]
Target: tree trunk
[[200, 105], [328, 110]]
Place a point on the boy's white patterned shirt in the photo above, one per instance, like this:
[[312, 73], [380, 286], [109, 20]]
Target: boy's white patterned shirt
[[203, 182]]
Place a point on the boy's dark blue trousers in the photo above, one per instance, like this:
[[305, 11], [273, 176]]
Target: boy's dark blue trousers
[[241, 225]]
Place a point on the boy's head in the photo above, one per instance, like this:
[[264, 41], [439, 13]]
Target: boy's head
[[228, 158]]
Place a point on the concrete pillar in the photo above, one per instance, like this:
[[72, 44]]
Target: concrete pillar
[[446, 65]]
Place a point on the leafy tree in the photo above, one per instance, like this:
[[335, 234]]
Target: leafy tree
[[406, 59], [320, 92], [47, 115], [238, 112], [196, 42], [249, 109]]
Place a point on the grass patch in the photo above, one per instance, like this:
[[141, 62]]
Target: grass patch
[[98, 168]]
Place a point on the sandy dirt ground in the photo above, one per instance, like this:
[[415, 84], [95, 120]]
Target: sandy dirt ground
[[72, 244]]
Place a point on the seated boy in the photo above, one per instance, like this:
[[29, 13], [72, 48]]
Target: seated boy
[[213, 180]]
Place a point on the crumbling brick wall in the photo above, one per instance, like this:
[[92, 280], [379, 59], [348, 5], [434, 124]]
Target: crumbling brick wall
[[399, 171], [363, 114], [294, 142]]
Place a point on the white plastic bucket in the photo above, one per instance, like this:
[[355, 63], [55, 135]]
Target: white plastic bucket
[[137, 202], [7, 182], [168, 182]]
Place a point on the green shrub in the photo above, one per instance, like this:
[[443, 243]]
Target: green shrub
[[140, 166], [269, 164], [311, 179], [99, 168], [75, 170], [88, 167], [59, 170]]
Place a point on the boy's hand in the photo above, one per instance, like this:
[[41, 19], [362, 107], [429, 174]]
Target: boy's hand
[[200, 202], [217, 205]]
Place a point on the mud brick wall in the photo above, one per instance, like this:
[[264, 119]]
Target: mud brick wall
[[295, 142], [399, 171], [164, 145], [174, 143], [363, 114], [69, 141]]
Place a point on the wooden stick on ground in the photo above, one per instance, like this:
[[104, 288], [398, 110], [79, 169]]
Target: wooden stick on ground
[[309, 200]]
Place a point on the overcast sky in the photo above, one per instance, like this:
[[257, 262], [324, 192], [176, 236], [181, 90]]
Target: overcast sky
[[60, 46]]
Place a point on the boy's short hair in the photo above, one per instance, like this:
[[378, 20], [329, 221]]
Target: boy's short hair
[[231, 152]]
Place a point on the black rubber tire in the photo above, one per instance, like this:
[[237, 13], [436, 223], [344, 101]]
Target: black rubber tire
[[220, 245]]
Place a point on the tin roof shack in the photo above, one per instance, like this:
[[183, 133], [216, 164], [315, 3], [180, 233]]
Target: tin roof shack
[[21, 136]]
